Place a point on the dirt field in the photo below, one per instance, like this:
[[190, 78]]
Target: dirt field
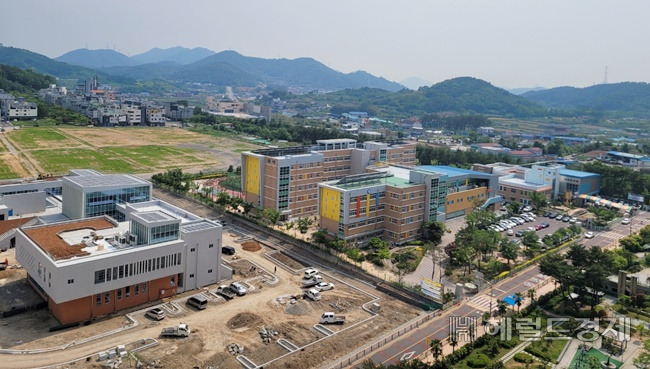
[[127, 149]]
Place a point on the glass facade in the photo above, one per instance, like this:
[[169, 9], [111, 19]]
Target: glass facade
[[141, 231], [103, 202], [283, 188], [164, 233]]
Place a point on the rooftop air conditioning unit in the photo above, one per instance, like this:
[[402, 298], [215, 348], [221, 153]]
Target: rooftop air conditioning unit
[[133, 239]]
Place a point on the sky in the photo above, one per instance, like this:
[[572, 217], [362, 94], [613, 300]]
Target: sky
[[509, 43]]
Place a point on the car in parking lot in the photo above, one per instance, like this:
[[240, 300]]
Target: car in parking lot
[[566, 219], [156, 314], [510, 232], [527, 208], [519, 233], [589, 235], [573, 220], [324, 286], [228, 250], [538, 227], [546, 214], [545, 225], [559, 217], [625, 221], [238, 288]]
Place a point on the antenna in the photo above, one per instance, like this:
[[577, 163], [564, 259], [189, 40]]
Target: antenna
[[605, 79]]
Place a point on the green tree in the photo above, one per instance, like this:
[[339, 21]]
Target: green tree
[[230, 169], [508, 249], [355, 255], [531, 293], [303, 225], [247, 206], [502, 307], [272, 215], [529, 239], [436, 348], [223, 198], [519, 298], [320, 236], [538, 200]]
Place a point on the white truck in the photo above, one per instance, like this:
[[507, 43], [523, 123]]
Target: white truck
[[313, 294], [330, 318], [311, 282], [181, 330]]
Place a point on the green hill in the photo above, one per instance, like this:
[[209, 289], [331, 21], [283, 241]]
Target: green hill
[[13, 79], [458, 95], [629, 97], [95, 58]]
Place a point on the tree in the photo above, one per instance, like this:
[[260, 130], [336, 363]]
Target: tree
[[223, 198], [355, 255], [247, 206], [529, 239], [433, 231], [514, 207], [453, 340], [531, 293], [320, 236], [436, 349], [538, 200], [272, 215], [230, 169], [502, 307], [403, 262], [519, 298], [508, 249], [303, 225]]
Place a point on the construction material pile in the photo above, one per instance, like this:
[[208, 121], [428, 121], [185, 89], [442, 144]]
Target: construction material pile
[[267, 334], [235, 349]]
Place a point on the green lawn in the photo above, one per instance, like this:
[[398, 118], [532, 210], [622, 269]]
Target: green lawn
[[233, 182], [29, 137], [6, 172], [60, 161], [154, 155], [591, 353], [547, 349]]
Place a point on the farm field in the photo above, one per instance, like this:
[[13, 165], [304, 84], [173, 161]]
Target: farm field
[[57, 149]]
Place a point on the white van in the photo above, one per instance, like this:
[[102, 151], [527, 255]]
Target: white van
[[313, 294]]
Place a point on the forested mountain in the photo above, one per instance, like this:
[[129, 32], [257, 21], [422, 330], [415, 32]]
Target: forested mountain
[[461, 95], [632, 97], [96, 58], [177, 54], [16, 79]]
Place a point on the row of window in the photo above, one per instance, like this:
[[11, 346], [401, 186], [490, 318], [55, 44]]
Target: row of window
[[366, 222], [127, 293], [336, 158], [401, 236], [353, 212], [144, 266], [373, 196], [307, 209], [469, 199]]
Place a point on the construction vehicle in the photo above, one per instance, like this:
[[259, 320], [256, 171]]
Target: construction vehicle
[[330, 318], [181, 330]]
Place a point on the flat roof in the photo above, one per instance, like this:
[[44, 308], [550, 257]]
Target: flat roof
[[522, 183], [336, 140], [452, 172], [162, 207], [49, 237], [197, 226], [153, 216], [106, 180], [628, 155], [577, 173]]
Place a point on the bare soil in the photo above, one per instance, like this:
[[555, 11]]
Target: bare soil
[[251, 246], [288, 260], [245, 319]]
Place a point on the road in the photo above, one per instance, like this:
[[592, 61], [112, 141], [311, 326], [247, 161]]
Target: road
[[414, 343]]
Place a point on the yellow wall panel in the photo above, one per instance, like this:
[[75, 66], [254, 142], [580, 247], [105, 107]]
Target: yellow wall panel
[[330, 203], [252, 174]]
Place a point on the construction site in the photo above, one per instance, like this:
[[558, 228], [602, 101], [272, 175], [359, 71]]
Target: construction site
[[273, 325]]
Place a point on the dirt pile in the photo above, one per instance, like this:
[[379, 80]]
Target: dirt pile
[[243, 320], [251, 246], [300, 307]]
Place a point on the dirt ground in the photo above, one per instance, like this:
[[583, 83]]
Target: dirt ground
[[287, 260], [250, 246]]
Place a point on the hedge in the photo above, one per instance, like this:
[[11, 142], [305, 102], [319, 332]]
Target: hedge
[[521, 357]]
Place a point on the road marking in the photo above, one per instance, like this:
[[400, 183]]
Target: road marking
[[407, 356]]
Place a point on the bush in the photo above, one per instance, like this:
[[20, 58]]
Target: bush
[[478, 361], [508, 344], [520, 357]]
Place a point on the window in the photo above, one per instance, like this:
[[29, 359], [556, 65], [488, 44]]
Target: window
[[144, 288], [70, 281], [209, 271], [114, 272], [127, 291], [119, 294], [172, 281], [191, 275], [107, 297], [121, 271], [98, 300], [192, 249], [99, 276], [210, 245], [137, 289]]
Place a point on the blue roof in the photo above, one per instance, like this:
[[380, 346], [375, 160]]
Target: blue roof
[[577, 173], [451, 172], [627, 155]]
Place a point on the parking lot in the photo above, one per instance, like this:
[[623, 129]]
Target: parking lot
[[274, 301], [554, 225]]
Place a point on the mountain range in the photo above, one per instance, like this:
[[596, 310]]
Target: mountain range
[[226, 68]]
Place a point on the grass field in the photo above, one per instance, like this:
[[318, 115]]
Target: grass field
[[36, 137], [56, 150], [6, 172], [62, 160]]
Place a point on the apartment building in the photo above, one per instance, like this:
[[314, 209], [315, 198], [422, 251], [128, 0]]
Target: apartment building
[[91, 267], [153, 116], [394, 201], [224, 105], [286, 179], [12, 108]]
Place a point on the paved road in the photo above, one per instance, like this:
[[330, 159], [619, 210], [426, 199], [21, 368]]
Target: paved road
[[414, 343]]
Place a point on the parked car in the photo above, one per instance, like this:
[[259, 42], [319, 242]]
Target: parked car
[[310, 273], [552, 215], [228, 250], [589, 235], [324, 286], [559, 217], [546, 214], [531, 229], [519, 233], [545, 225], [510, 232], [573, 220], [156, 314], [181, 330], [238, 288], [527, 208], [625, 221], [566, 219], [538, 227]]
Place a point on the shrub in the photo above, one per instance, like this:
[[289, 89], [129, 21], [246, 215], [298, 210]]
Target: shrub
[[520, 357], [478, 361], [508, 344]]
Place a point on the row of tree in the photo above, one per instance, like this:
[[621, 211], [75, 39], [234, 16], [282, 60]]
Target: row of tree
[[429, 155]]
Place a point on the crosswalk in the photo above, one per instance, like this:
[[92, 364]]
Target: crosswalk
[[482, 302]]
